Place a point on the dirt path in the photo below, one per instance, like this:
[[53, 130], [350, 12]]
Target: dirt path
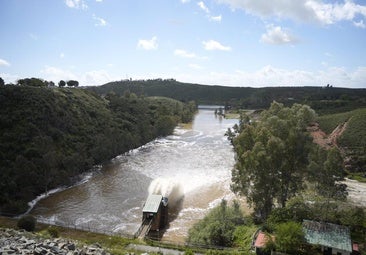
[[324, 140]]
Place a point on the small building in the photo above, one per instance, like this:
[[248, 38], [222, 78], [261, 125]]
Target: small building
[[260, 242], [155, 211], [334, 239]]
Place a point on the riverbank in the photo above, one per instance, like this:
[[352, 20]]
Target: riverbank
[[72, 241], [20, 242], [40, 237]]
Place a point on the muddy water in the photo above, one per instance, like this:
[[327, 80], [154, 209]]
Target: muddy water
[[199, 159]]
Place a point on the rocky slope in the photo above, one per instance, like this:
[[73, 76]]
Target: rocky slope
[[21, 242]]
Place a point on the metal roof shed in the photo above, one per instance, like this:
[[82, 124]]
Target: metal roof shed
[[335, 238], [152, 203]]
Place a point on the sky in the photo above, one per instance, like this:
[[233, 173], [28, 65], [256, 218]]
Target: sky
[[247, 43]]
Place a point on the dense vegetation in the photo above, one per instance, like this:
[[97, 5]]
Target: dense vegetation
[[322, 99], [48, 135], [217, 228], [285, 178], [353, 140], [276, 155]]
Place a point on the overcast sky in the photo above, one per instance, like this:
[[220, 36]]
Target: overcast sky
[[252, 43]]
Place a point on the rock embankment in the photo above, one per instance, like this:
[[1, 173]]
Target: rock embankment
[[21, 242]]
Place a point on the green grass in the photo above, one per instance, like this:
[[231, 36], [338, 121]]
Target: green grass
[[329, 122], [357, 176], [355, 134]]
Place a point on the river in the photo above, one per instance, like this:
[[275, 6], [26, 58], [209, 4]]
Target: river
[[197, 160]]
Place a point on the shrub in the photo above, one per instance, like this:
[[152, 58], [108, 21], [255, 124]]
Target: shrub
[[188, 252], [53, 231], [27, 223], [217, 228]]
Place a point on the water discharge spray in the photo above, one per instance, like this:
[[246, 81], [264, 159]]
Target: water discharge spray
[[169, 188]]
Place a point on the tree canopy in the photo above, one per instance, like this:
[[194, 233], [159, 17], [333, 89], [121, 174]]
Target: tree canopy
[[50, 136], [218, 226], [272, 156], [33, 82]]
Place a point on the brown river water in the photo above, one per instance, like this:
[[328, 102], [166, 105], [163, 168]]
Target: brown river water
[[193, 164]]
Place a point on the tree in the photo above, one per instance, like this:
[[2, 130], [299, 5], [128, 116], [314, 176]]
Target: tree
[[272, 157], [33, 82], [61, 83], [2, 83], [289, 237], [326, 170], [218, 227], [27, 222], [72, 83]]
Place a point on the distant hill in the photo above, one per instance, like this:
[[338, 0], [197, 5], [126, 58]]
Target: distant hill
[[322, 99]]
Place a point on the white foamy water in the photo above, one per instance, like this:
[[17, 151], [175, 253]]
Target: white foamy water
[[195, 164]]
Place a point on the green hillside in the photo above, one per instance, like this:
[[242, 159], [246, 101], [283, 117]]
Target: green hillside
[[50, 136], [353, 139], [322, 99]]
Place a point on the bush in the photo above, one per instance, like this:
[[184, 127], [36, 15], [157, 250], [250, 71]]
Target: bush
[[217, 228], [188, 252], [53, 231], [27, 223]]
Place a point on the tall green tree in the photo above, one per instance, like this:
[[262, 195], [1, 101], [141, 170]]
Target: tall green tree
[[272, 157], [2, 83], [326, 171]]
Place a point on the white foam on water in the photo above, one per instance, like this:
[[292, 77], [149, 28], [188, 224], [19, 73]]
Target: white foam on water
[[169, 188]]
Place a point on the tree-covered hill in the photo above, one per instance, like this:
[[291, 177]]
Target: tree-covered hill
[[48, 136], [322, 99]]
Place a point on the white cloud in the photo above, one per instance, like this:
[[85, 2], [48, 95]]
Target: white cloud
[[100, 21], [151, 44], [77, 4], [269, 76], [214, 45], [216, 18], [195, 66], [62, 55], [9, 78], [184, 54], [94, 77], [184, 1], [359, 24], [99, 1], [98, 77], [3, 62], [203, 7], [55, 74], [276, 35], [317, 11]]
